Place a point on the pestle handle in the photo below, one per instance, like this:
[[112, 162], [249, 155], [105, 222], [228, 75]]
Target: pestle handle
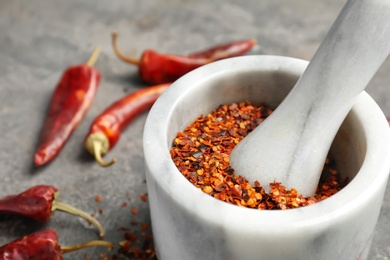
[[292, 143]]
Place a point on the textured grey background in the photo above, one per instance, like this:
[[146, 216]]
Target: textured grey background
[[39, 39]]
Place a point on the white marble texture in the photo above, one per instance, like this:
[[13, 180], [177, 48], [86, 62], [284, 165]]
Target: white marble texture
[[189, 224]]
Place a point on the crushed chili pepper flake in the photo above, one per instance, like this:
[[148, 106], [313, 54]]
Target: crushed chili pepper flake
[[144, 226], [143, 197], [125, 244], [212, 137], [125, 229], [134, 211], [130, 236], [136, 245], [98, 198], [208, 189]]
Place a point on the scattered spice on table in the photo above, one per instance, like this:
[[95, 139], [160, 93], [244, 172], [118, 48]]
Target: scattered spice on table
[[201, 153], [39, 202], [156, 68], [70, 101], [137, 238], [43, 245], [135, 247], [106, 129]]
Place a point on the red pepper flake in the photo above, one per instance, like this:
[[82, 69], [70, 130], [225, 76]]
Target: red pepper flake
[[125, 229], [143, 197], [130, 236], [137, 247], [137, 242], [201, 153], [126, 244], [136, 252], [124, 204], [98, 199], [134, 211], [144, 226]]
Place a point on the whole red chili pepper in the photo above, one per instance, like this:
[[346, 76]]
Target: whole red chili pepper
[[39, 202], [42, 245], [106, 128], [156, 68], [70, 101]]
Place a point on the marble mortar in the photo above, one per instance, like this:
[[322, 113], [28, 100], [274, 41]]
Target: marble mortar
[[188, 224]]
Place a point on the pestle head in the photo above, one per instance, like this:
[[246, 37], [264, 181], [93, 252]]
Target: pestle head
[[292, 144]]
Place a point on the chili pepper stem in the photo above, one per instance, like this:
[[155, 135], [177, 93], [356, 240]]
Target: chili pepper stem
[[67, 249], [97, 144], [95, 55], [119, 54], [71, 210]]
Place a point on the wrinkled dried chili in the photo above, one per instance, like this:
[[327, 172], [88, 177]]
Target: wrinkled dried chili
[[105, 130], [70, 101], [201, 153], [38, 203], [42, 245], [156, 68]]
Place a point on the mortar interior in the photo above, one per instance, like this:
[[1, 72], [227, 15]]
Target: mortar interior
[[268, 87]]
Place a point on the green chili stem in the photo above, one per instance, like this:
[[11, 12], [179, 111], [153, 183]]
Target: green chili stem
[[67, 249], [95, 55], [119, 54], [71, 210], [98, 156], [98, 145]]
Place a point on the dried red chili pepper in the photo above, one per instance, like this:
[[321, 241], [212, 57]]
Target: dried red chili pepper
[[106, 128], [69, 103], [156, 68], [42, 245], [39, 202]]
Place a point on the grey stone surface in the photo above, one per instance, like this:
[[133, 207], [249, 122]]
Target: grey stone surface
[[39, 39]]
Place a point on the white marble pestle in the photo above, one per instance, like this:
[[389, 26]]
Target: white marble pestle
[[292, 143]]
